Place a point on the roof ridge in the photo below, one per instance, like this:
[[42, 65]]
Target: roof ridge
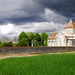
[[52, 36]]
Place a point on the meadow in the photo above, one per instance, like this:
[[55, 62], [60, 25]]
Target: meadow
[[53, 64]]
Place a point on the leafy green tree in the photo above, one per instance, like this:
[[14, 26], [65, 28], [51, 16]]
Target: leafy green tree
[[0, 43], [23, 42], [30, 37], [35, 43], [43, 37], [22, 35], [45, 42], [37, 37]]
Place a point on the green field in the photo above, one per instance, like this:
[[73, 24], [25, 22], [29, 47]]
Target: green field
[[56, 64]]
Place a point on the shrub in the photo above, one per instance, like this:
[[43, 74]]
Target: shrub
[[23, 42], [6, 44], [14, 44]]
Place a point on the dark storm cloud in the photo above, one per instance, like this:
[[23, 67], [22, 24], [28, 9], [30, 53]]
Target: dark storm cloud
[[20, 11], [64, 7], [17, 12], [25, 20]]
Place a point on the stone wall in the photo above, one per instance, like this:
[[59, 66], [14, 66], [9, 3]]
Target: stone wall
[[10, 50]]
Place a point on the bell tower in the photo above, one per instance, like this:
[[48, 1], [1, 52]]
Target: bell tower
[[70, 24], [70, 27]]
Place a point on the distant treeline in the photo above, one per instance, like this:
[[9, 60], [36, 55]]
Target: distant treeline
[[28, 39]]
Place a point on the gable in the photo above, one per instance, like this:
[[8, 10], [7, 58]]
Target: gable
[[52, 36], [60, 34]]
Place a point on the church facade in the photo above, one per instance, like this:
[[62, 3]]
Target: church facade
[[66, 37]]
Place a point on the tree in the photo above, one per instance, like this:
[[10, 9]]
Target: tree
[[35, 43], [30, 37], [22, 35], [45, 42], [23, 42], [43, 37], [0, 43], [37, 37]]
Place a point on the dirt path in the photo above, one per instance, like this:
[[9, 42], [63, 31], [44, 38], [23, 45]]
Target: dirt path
[[17, 55], [32, 54]]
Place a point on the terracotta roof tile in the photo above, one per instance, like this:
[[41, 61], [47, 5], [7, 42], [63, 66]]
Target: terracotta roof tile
[[52, 36], [70, 24]]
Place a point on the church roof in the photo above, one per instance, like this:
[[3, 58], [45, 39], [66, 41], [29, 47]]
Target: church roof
[[52, 36], [70, 24]]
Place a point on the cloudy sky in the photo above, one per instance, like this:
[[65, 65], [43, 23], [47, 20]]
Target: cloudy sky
[[34, 16]]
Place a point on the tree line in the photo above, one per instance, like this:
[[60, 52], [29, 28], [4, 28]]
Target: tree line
[[26, 39]]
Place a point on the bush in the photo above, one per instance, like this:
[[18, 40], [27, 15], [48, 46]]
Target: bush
[[23, 42], [6, 44]]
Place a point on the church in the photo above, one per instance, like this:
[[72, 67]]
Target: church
[[66, 37]]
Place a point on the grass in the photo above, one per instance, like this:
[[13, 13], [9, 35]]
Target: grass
[[61, 64]]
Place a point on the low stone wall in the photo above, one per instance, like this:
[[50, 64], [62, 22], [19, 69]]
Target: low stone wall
[[11, 50]]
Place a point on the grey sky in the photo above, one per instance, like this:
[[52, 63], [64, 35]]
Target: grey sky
[[34, 15]]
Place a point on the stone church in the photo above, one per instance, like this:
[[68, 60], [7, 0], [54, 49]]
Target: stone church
[[66, 37]]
